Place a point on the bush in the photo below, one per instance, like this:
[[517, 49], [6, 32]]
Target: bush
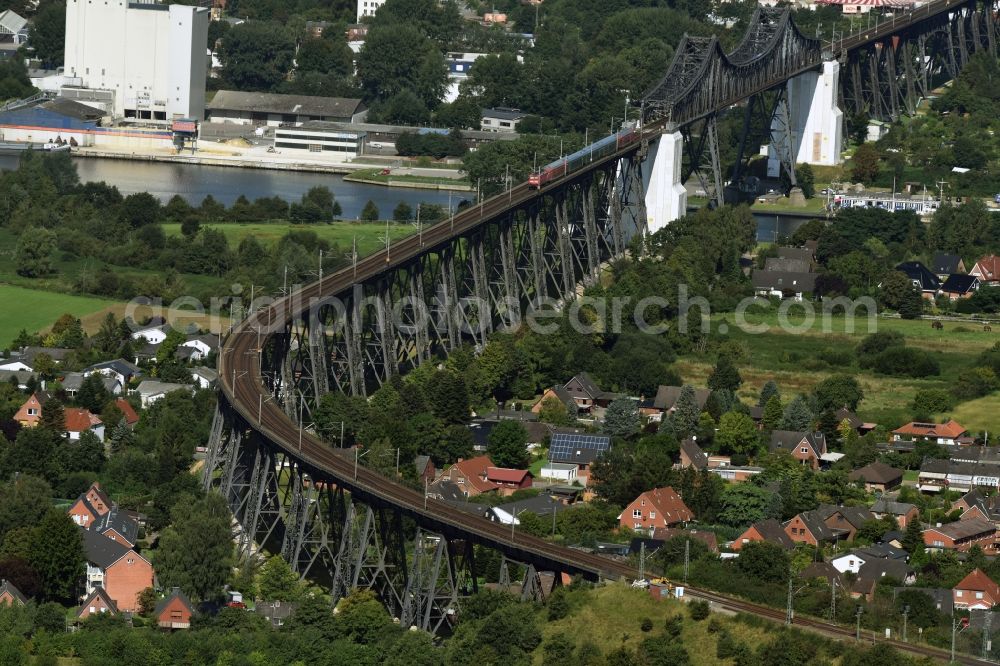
[[674, 625], [714, 626], [699, 610], [932, 401], [726, 647], [905, 362], [647, 625]]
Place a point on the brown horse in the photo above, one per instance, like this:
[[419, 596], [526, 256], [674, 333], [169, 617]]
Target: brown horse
[[987, 328], [937, 326]]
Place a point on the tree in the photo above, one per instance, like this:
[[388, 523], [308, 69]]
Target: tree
[[140, 209], [764, 561], [745, 503], [686, 412], [370, 212], [738, 433], [256, 56], [329, 56], [806, 179], [507, 445], [725, 376], [92, 394], [190, 226], [53, 417], [773, 413], [33, 253], [864, 164], [912, 306], [397, 58], [769, 389], [553, 411], [838, 391], [403, 212], [913, 538], [196, 551], [121, 437], [797, 416], [928, 402], [57, 556], [48, 33], [621, 418], [277, 582], [895, 289]]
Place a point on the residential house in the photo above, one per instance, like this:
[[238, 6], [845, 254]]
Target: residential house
[[276, 613], [769, 530], [826, 571], [122, 370], [877, 477], [806, 447], [937, 474], [692, 455], [960, 286], [15, 365], [200, 345], [944, 264], [98, 603], [79, 421], [961, 535], [204, 378], [128, 412], [666, 398], [174, 612], [922, 278], [976, 505], [859, 426], [509, 481], [425, 469], [788, 264], [469, 476], [544, 506], [121, 571], [30, 413], [653, 509], [151, 391], [857, 558], [827, 524], [22, 377], [875, 571], [501, 119], [57, 354], [558, 393], [118, 526], [987, 269], [977, 591], [903, 512], [153, 335], [90, 506], [10, 595], [805, 254], [783, 284], [586, 394], [72, 381], [951, 432], [578, 449]]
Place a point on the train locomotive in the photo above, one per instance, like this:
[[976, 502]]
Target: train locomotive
[[595, 151]]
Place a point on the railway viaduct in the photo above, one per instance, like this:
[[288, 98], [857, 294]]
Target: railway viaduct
[[487, 268]]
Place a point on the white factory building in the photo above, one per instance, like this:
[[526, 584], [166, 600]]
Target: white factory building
[[151, 56]]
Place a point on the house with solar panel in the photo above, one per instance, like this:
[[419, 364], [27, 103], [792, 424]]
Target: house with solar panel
[[572, 454]]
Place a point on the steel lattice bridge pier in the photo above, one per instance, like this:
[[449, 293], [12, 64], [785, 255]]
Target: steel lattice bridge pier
[[483, 270]]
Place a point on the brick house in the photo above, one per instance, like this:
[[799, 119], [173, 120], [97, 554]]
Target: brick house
[[806, 447], [97, 603], [939, 433], [174, 612], [587, 394], [769, 530], [827, 524], [655, 509], [121, 571], [509, 481], [30, 413], [974, 505], [961, 535], [987, 270], [10, 595], [877, 477], [977, 591], [469, 476], [903, 512], [90, 506], [117, 526], [425, 469]]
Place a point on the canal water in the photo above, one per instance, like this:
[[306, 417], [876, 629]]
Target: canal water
[[772, 227], [226, 184]]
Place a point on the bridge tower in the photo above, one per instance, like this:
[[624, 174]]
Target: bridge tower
[[666, 197], [808, 127]]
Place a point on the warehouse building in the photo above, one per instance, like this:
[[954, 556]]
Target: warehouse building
[[271, 110], [317, 136], [150, 56]]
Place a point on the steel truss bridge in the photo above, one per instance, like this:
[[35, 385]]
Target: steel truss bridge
[[886, 69], [483, 270]]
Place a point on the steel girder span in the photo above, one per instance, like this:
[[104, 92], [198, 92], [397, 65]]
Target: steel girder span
[[455, 282]]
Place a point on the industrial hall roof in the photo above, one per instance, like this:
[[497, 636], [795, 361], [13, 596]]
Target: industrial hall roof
[[303, 105]]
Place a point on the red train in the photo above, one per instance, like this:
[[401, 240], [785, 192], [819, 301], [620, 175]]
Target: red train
[[595, 151]]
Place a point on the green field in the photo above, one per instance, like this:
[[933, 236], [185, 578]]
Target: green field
[[370, 237], [797, 361], [34, 310]]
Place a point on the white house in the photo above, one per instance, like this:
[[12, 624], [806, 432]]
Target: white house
[[848, 562], [201, 345], [154, 335], [16, 366], [204, 377], [368, 8], [150, 56], [151, 390]]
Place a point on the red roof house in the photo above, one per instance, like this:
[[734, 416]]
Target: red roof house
[[977, 591], [987, 269], [766, 530], [123, 405], [655, 509], [941, 433], [470, 476], [508, 480], [79, 421], [90, 506], [174, 612], [97, 603], [30, 412]]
